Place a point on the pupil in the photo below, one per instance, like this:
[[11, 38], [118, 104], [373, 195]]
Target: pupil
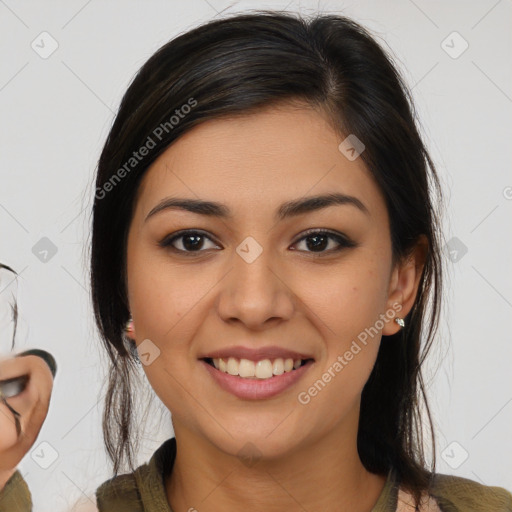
[[317, 244], [195, 245]]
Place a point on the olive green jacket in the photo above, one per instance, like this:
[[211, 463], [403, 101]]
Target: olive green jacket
[[144, 491]]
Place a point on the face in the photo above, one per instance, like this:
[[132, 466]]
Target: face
[[259, 278]]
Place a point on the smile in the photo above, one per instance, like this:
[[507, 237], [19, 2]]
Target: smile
[[262, 369], [256, 380]]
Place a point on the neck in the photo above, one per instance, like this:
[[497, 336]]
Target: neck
[[325, 475]]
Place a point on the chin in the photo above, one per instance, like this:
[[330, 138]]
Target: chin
[[253, 445]]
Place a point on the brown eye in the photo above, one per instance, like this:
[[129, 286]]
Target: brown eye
[[325, 241], [187, 242], [316, 241]]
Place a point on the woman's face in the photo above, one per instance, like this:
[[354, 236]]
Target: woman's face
[[252, 286]]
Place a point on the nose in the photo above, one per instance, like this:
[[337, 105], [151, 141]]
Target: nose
[[256, 293]]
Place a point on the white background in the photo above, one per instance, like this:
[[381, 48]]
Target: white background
[[54, 117]]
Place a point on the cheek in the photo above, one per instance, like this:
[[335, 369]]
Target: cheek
[[347, 303], [167, 301], [346, 299], [161, 293]]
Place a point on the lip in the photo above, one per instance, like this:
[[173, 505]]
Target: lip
[[252, 354], [254, 388]]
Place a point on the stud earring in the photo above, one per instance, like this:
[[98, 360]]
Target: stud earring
[[129, 340], [400, 321], [129, 327]]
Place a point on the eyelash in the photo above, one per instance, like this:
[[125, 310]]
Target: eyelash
[[343, 241]]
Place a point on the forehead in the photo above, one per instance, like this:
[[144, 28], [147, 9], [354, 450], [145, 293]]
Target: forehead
[[258, 159]]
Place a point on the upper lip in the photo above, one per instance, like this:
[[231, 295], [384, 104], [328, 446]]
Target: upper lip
[[256, 354]]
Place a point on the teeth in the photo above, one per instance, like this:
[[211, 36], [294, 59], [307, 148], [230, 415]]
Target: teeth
[[232, 366], [263, 369], [246, 368], [278, 367]]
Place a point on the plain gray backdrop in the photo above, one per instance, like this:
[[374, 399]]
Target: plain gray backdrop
[[64, 67]]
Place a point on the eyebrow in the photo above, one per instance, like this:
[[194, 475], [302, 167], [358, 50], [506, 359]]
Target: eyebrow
[[286, 210]]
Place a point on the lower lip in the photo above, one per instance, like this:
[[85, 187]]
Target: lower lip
[[256, 389]]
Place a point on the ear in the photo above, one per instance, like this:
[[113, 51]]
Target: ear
[[404, 282]]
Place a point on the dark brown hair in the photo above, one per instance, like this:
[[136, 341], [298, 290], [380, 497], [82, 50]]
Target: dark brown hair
[[234, 66], [13, 305]]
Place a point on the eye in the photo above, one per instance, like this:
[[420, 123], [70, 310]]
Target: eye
[[187, 241], [318, 241]]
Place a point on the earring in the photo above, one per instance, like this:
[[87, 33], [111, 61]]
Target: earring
[[129, 327], [129, 341], [400, 321]]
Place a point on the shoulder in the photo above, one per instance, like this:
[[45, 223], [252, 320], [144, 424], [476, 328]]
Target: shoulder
[[121, 492], [141, 490], [458, 494], [15, 494]]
